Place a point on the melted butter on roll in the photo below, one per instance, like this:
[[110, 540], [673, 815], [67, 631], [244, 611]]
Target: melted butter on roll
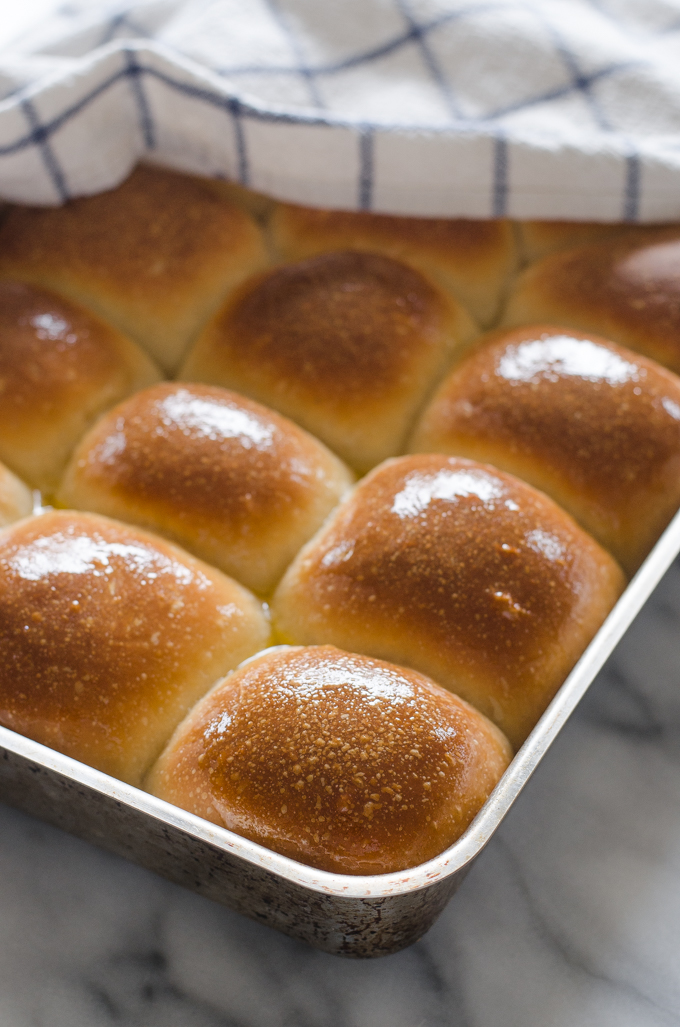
[[460, 571], [155, 256], [235, 483], [340, 761], [60, 367], [472, 259], [625, 288], [108, 636], [594, 425], [347, 344]]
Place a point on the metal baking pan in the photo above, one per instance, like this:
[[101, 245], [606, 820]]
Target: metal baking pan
[[352, 916]]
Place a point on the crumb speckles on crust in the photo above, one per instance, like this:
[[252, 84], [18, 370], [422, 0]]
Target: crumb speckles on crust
[[107, 635], [343, 325], [338, 760], [591, 423], [461, 571], [626, 288], [346, 343], [236, 483]]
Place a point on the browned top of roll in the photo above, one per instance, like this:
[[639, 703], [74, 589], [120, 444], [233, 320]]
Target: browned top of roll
[[488, 562], [207, 452], [341, 761], [459, 570], [342, 326], [626, 288], [154, 256], [52, 353], [539, 238], [471, 257], [476, 238], [102, 626], [605, 417], [149, 235]]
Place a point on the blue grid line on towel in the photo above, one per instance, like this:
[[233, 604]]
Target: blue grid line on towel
[[365, 198], [500, 177], [40, 138], [304, 71], [414, 33], [243, 171], [631, 190], [580, 82], [122, 21], [304, 117], [419, 34], [135, 71]]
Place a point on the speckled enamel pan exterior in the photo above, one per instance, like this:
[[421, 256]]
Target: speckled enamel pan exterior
[[352, 916]]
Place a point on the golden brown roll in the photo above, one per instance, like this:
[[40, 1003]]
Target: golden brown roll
[[626, 288], [460, 571], [349, 764], [594, 425], [60, 367], [347, 344], [539, 238], [16, 499], [154, 256], [233, 482], [108, 636], [473, 260]]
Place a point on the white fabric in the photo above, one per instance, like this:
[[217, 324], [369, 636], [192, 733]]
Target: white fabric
[[527, 108]]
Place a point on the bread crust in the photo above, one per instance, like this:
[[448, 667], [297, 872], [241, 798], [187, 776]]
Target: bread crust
[[60, 367], [154, 256], [108, 636], [343, 762], [626, 289], [593, 424], [347, 344], [235, 483], [460, 571], [472, 259]]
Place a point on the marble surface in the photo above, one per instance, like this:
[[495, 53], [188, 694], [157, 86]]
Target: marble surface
[[571, 917]]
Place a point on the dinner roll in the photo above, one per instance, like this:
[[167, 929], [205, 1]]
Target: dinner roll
[[539, 238], [594, 425], [108, 636], [233, 482], [154, 256], [626, 288], [60, 367], [16, 499], [347, 344], [460, 571], [343, 762], [471, 259]]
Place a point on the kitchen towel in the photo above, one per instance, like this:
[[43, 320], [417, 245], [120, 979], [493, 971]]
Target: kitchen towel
[[479, 108]]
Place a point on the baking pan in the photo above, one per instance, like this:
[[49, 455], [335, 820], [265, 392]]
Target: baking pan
[[352, 916]]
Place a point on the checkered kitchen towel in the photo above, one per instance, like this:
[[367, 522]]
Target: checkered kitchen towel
[[531, 108]]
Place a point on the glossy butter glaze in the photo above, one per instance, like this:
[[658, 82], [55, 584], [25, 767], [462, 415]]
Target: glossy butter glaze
[[625, 288], [345, 343], [108, 635], [471, 258], [594, 425], [234, 482], [60, 366], [127, 253], [460, 571], [343, 762]]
